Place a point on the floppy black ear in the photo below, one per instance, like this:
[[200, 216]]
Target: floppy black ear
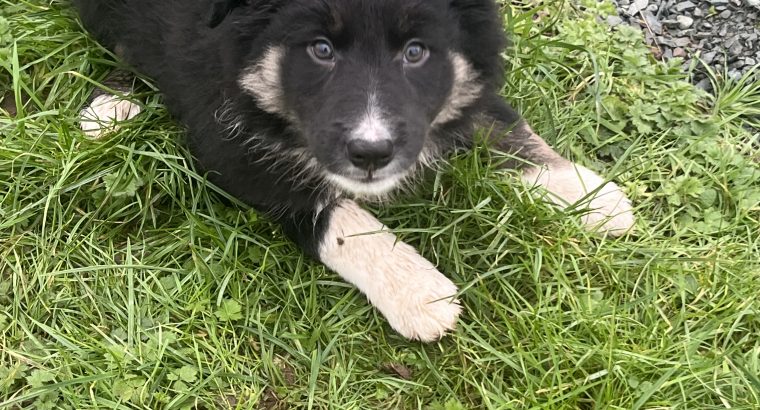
[[219, 10], [481, 23]]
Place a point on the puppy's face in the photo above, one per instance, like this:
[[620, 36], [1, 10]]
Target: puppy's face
[[364, 82]]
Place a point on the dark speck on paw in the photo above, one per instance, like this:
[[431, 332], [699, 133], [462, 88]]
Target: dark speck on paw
[[341, 241]]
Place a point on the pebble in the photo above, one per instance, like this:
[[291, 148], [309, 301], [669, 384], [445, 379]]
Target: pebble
[[705, 85], [679, 52], [684, 22], [652, 22], [614, 21], [731, 42], [736, 50], [684, 5], [708, 57], [682, 42], [637, 6]]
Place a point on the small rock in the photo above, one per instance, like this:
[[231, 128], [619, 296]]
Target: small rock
[[749, 61], [682, 42], [683, 6], [725, 14], [705, 84], [735, 75], [679, 52], [637, 6], [736, 49], [699, 13], [667, 54], [731, 42], [614, 21], [649, 38], [708, 57], [718, 2], [707, 26], [652, 22], [684, 22]]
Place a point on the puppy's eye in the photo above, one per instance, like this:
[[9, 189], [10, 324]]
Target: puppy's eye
[[415, 53], [322, 50]]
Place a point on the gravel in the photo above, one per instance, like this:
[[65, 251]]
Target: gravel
[[725, 34]]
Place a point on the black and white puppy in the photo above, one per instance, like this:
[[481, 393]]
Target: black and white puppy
[[302, 107]]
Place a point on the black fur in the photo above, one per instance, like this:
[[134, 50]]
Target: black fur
[[196, 52]]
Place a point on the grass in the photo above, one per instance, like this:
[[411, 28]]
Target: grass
[[127, 283]]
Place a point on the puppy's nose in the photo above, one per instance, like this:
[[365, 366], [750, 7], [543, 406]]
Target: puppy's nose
[[370, 155]]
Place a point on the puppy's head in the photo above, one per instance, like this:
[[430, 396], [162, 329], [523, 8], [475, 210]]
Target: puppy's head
[[367, 82]]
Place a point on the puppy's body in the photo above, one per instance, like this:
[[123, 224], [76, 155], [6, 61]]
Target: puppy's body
[[296, 107]]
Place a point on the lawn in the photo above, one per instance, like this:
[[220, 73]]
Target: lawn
[[128, 282]]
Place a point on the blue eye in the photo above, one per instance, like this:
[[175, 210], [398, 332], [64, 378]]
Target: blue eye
[[415, 53], [322, 50]]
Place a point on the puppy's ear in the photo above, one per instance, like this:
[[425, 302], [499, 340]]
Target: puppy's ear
[[480, 22], [219, 9]]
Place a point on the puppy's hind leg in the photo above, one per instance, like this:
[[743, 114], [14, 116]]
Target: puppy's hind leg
[[416, 299], [105, 111], [567, 183]]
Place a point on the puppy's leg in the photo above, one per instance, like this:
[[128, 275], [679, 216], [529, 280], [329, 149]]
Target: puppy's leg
[[106, 111], [415, 298], [568, 183]]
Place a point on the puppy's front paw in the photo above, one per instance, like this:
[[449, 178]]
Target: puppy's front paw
[[610, 211], [423, 306], [416, 299], [104, 114]]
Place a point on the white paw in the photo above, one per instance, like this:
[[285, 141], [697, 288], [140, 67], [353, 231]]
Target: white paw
[[415, 298], [610, 211], [422, 307], [104, 114]]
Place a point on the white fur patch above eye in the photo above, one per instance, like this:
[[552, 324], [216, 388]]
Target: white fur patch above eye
[[610, 210], [104, 114], [465, 90], [264, 81], [415, 298]]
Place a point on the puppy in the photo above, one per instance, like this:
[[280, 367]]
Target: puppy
[[301, 108]]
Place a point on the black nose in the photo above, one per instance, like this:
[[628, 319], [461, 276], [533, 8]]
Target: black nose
[[370, 155]]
